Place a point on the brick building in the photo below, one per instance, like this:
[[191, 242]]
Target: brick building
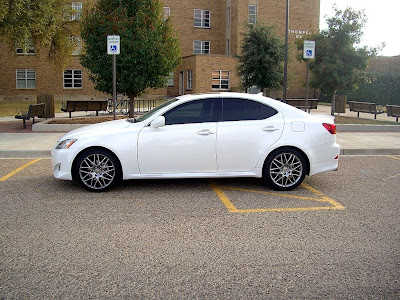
[[209, 32]]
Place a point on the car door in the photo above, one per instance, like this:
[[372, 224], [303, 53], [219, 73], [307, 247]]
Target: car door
[[246, 130], [186, 144]]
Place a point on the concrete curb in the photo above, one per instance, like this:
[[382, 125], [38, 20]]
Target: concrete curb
[[367, 128], [25, 154], [46, 127]]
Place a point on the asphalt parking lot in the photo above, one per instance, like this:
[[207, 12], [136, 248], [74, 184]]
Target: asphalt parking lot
[[337, 236]]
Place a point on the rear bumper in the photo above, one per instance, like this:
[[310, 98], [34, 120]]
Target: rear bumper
[[325, 158]]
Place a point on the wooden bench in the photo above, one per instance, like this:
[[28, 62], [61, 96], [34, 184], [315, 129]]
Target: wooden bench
[[365, 107], [84, 105], [393, 111], [301, 103], [34, 110]]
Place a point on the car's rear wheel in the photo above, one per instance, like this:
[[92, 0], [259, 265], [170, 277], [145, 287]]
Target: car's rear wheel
[[97, 170], [285, 169]]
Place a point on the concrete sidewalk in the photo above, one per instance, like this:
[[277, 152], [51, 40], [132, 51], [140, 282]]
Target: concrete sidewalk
[[353, 139]]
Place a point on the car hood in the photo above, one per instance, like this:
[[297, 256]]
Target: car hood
[[98, 129]]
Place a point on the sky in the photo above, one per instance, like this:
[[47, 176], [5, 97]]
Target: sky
[[383, 21]]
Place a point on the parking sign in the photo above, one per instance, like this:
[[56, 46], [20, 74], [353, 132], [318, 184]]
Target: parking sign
[[309, 50], [113, 44]]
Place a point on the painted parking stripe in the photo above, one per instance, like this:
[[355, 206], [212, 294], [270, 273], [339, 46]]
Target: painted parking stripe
[[395, 157], [320, 198], [4, 178]]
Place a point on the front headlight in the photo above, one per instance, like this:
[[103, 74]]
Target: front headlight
[[65, 144]]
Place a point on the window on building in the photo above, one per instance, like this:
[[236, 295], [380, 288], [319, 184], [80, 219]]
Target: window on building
[[201, 47], [77, 41], [228, 16], [76, 10], [252, 14], [202, 18], [170, 81], [26, 79], [228, 47], [189, 84], [26, 48], [167, 13], [220, 80], [72, 79]]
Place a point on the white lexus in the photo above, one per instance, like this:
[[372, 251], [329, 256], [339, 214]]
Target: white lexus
[[202, 136]]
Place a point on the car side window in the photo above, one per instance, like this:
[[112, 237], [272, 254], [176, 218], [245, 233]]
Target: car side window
[[197, 111], [234, 109]]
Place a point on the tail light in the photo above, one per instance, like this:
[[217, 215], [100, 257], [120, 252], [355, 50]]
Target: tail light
[[330, 127]]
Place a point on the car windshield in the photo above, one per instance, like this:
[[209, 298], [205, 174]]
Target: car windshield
[[151, 112]]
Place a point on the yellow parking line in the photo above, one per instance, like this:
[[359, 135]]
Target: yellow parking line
[[225, 200], [19, 169], [395, 157], [232, 208]]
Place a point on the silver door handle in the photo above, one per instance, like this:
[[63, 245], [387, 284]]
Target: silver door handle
[[270, 128], [204, 132]]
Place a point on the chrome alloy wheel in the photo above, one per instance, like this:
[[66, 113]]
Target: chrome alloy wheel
[[286, 170], [97, 171]]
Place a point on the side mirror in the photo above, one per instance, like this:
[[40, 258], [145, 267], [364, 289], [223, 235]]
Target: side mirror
[[158, 122]]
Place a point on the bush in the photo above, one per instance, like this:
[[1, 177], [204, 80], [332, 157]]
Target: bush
[[383, 89]]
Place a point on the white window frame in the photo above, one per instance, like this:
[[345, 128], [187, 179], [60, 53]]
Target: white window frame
[[75, 77], [189, 80], [170, 81], [77, 41], [167, 12], [26, 78], [219, 81], [77, 10], [202, 18], [201, 47], [27, 48], [252, 14]]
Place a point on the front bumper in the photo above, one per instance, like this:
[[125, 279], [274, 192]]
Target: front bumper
[[62, 160]]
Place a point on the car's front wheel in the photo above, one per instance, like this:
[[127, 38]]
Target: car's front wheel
[[285, 169], [97, 170]]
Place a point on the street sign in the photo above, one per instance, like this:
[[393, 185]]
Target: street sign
[[309, 50], [113, 45]]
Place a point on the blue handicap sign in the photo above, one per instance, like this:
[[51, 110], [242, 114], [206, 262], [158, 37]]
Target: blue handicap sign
[[308, 52], [113, 48]]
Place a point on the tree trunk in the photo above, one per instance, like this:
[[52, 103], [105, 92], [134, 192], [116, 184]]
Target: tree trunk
[[333, 103], [131, 106]]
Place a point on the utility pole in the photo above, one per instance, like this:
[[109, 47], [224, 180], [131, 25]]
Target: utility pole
[[286, 52]]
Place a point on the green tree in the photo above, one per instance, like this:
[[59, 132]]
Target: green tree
[[261, 59], [149, 50], [41, 23], [339, 64]]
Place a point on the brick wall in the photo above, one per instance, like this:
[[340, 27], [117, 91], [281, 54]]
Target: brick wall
[[304, 17]]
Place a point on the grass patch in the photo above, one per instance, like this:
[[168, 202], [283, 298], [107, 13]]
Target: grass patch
[[12, 108], [351, 120]]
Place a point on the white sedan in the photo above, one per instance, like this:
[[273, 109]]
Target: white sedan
[[202, 136]]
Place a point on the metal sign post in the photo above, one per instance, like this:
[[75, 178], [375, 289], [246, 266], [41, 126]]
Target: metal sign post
[[308, 53], [113, 48]]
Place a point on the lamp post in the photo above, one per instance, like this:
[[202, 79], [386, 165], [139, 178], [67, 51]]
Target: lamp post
[[286, 52]]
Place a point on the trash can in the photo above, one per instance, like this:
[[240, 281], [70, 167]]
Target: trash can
[[48, 100], [340, 103]]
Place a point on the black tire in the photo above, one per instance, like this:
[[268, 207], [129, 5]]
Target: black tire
[[285, 169], [97, 170]]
